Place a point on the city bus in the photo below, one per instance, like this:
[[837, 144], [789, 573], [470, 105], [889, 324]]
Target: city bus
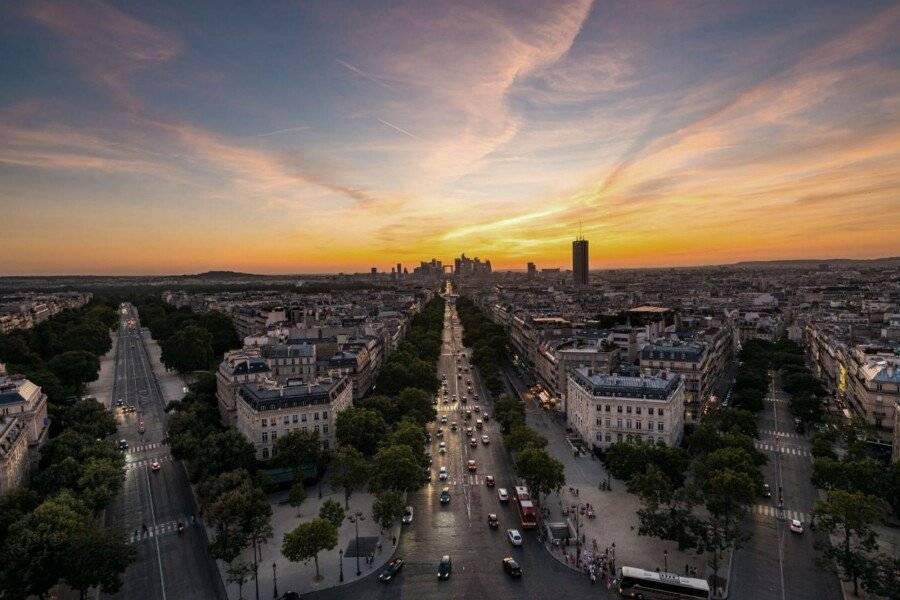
[[647, 585], [527, 512]]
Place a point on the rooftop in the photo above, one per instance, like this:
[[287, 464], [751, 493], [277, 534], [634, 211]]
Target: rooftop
[[651, 387]]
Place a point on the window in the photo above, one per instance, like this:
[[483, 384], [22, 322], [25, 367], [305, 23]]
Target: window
[[607, 422], [599, 422], [274, 437], [265, 437], [618, 437], [296, 418], [316, 416], [659, 426], [619, 423], [607, 408], [619, 408], [265, 422], [637, 424], [628, 423], [304, 429], [265, 453], [325, 428], [628, 409], [608, 437], [317, 428], [287, 420], [273, 421], [324, 414], [303, 418], [650, 425], [325, 443], [599, 407], [650, 411], [637, 409], [659, 412]]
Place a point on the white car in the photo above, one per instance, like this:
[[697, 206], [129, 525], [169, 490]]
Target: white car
[[443, 420], [515, 538], [408, 514], [442, 447], [796, 526], [485, 439], [443, 474], [502, 495]]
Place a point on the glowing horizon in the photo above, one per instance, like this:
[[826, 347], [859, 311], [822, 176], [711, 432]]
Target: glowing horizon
[[313, 138]]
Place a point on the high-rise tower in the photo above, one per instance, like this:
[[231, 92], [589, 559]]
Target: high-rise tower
[[580, 261]]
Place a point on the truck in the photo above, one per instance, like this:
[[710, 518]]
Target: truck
[[525, 507]]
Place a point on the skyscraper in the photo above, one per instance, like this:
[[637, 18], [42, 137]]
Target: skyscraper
[[580, 261]]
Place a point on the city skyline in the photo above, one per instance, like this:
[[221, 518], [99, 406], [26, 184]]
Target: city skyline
[[159, 139]]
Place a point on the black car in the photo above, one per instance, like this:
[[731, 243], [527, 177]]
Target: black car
[[290, 596], [493, 521], [445, 496], [123, 445], [445, 567], [391, 569], [766, 491], [511, 567]]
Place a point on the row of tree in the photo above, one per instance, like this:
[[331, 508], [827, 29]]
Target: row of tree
[[189, 341], [414, 363], [50, 531], [487, 340]]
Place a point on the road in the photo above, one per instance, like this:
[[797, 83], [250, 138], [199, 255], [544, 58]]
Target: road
[[460, 529], [777, 564], [169, 565]]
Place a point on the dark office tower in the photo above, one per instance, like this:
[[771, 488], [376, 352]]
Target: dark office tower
[[532, 270], [399, 270], [580, 261]]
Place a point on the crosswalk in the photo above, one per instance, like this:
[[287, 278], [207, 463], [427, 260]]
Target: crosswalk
[[144, 447], [145, 462], [783, 434], [471, 479], [764, 510], [155, 531], [781, 449]]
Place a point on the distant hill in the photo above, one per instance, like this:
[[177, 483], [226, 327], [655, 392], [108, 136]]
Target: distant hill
[[893, 261], [220, 275]]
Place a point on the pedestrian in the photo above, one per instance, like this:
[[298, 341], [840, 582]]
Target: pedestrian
[[379, 546], [687, 570], [394, 540]]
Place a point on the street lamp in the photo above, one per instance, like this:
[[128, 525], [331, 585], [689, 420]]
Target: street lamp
[[275, 580], [666, 561], [355, 518], [341, 563]]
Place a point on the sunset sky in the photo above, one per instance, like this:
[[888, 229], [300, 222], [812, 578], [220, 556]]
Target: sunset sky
[[149, 137]]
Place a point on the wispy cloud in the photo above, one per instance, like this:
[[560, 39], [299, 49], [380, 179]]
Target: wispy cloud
[[363, 74], [397, 128], [283, 131]]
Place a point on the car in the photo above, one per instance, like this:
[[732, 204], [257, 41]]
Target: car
[[442, 449], [485, 439], [428, 475], [766, 491], [445, 496], [390, 570], [479, 424], [472, 466], [796, 525], [408, 514], [511, 567], [468, 415], [154, 466], [473, 442], [141, 427], [439, 432], [469, 431], [123, 445], [453, 426], [445, 567], [489, 480], [120, 402], [502, 495], [443, 474], [458, 376], [446, 400], [514, 537], [485, 417], [493, 521], [443, 420], [476, 408]]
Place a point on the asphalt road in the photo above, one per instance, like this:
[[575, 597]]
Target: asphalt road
[[460, 529], [777, 564], [169, 565]]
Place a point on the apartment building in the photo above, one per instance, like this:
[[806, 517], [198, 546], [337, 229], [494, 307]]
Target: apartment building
[[610, 409], [267, 410], [239, 367], [23, 428]]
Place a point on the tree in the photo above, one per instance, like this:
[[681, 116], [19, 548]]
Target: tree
[[396, 468], [90, 418], [542, 472], [333, 512], [220, 452], [307, 540], [350, 471], [387, 508], [736, 419], [410, 434], [239, 572], [298, 450], [223, 334], [415, 404], [75, 368], [100, 482], [361, 428], [98, 557], [521, 437], [297, 495], [849, 515], [188, 349]]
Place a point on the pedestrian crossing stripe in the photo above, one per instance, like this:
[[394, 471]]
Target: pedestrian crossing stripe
[[470, 480], [781, 449], [145, 462], [155, 531], [145, 447], [771, 511], [782, 434]]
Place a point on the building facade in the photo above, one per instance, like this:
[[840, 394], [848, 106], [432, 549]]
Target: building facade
[[23, 428], [611, 409], [580, 261]]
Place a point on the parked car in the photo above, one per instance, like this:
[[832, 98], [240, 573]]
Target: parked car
[[511, 567], [390, 570], [408, 514], [502, 495], [493, 521], [796, 525], [445, 567], [515, 538]]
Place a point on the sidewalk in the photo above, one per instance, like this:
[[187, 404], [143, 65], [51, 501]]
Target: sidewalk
[[102, 388], [172, 386], [300, 577], [616, 520]]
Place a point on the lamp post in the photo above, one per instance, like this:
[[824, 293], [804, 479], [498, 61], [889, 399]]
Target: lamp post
[[355, 518], [341, 563], [666, 561], [274, 580]]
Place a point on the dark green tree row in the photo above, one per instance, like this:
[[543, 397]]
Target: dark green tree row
[[487, 340], [414, 363], [189, 341]]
